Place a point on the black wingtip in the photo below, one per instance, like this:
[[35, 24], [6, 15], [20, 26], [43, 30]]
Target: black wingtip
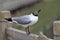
[[39, 10], [8, 19]]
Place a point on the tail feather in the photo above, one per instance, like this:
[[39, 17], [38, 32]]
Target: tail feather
[[8, 19]]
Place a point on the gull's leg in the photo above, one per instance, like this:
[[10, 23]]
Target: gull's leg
[[27, 30]]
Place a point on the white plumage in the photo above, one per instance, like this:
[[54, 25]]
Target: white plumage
[[26, 20]]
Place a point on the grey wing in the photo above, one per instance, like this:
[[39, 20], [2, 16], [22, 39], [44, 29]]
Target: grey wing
[[22, 20]]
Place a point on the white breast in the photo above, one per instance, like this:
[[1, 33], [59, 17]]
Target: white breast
[[34, 19]]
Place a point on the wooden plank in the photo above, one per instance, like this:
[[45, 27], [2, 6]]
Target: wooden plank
[[56, 30], [3, 25], [43, 37], [16, 34]]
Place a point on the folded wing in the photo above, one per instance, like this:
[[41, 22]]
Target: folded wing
[[22, 20]]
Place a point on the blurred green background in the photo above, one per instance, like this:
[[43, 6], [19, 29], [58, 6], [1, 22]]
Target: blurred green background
[[50, 12]]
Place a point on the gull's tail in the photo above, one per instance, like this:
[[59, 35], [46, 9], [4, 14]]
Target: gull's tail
[[9, 19]]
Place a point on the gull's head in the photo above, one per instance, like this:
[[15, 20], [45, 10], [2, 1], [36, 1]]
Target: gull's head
[[36, 12]]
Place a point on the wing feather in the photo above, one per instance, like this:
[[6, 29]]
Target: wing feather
[[22, 20]]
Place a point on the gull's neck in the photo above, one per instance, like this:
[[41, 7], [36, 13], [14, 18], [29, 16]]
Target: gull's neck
[[33, 14]]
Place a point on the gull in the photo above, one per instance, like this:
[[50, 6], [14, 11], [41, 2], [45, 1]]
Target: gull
[[25, 20]]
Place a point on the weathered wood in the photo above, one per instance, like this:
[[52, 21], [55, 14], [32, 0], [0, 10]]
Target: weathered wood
[[56, 27], [15, 34], [3, 24], [56, 30], [4, 14], [43, 37]]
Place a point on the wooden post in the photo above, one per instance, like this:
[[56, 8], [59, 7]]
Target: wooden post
[[56, 30], [4, 24]]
